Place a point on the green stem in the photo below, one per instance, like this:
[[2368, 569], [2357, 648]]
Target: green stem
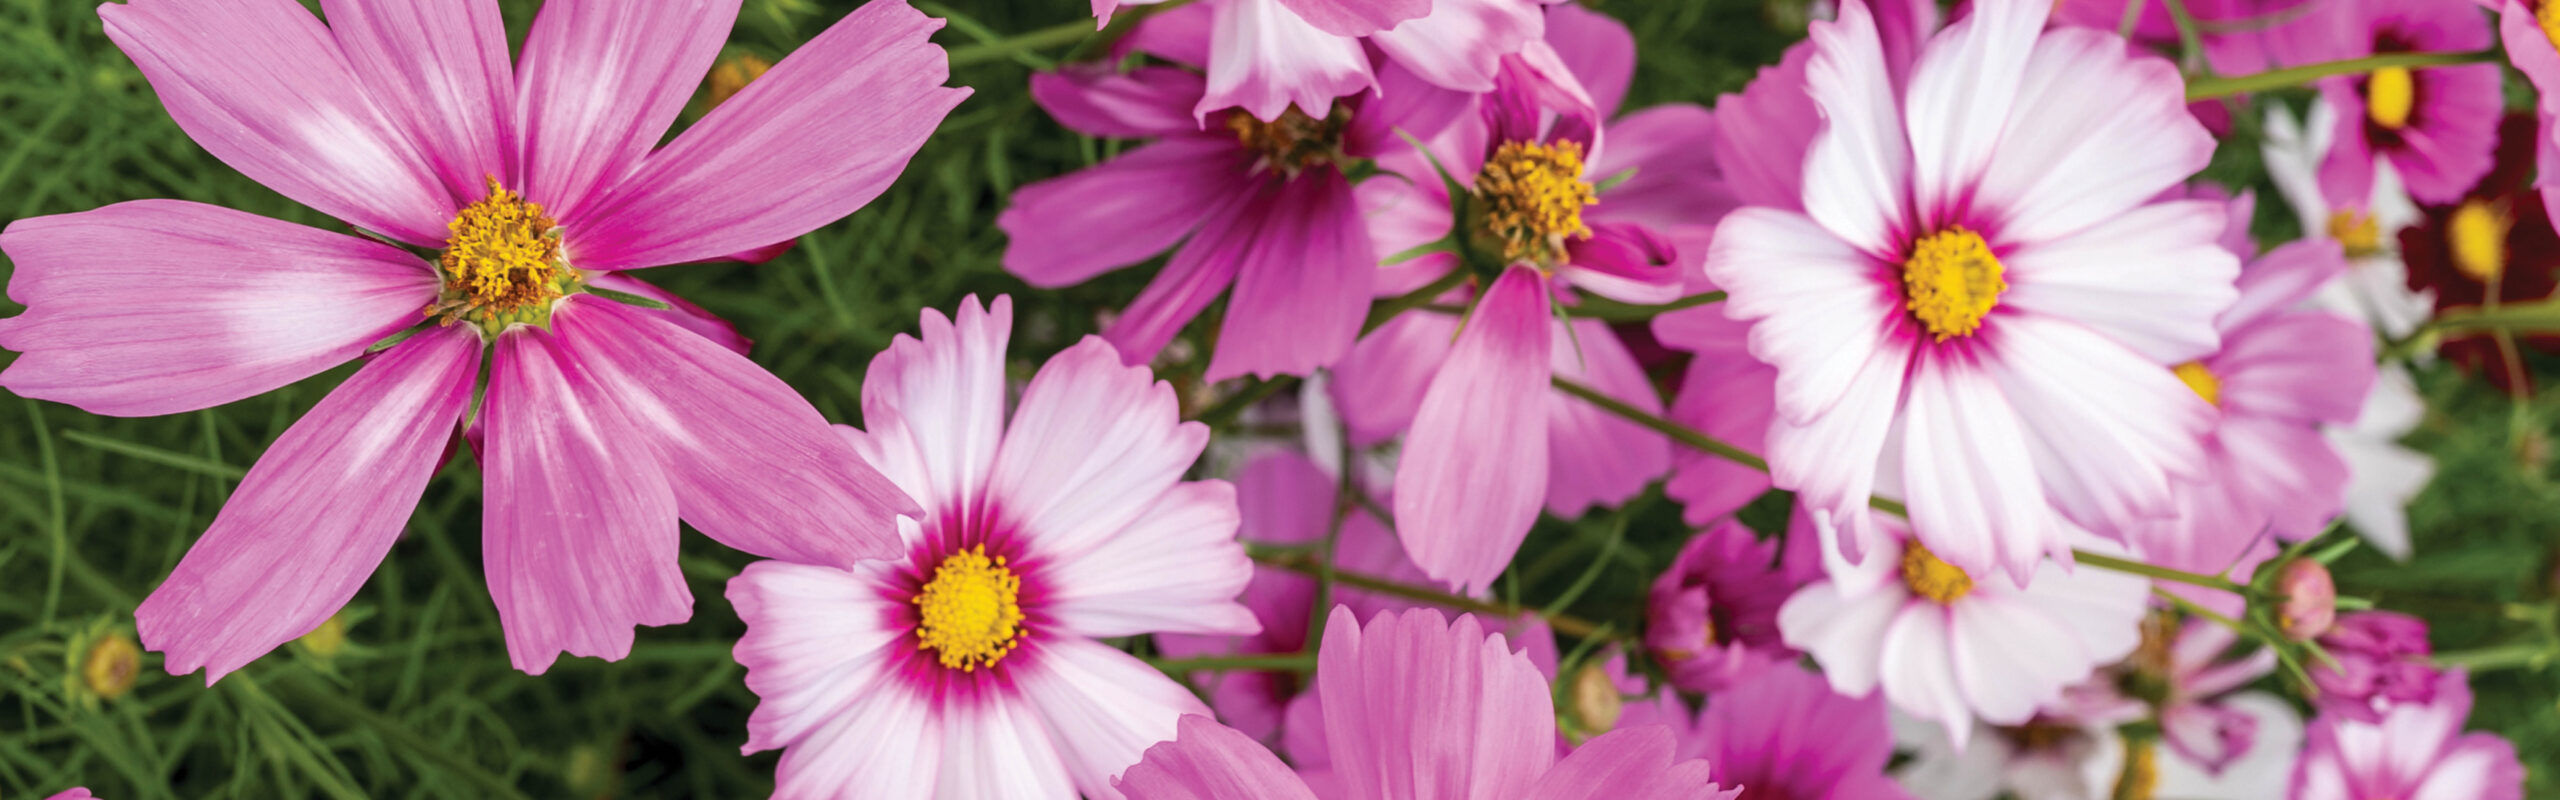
[[2129, 566], [1380, 312], [1279, 662], [2211, 88], [1608, 311], [2511, 656], [1678, 432], [1566, 624], [1042, 39], [2190, 45]]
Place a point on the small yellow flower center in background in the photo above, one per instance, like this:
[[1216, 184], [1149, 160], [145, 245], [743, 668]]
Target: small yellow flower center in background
[[1596, 703], [1531, 198], [971, 610], [2478, 234], [2202, 380], [1293, 142], [2358, 234], [2548, 13], [1951, 281], [111, 666], [325, 641], [502, 264], [733, 74], [2389, 96], [1932, 578]]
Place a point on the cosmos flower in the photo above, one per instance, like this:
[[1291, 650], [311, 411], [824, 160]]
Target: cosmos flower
[[1782, 733], [2184, 675], [2436, 126], [2367, 226], [2377, 660], [2416, 750], [1420, 708], [1948, 648], [970, 667], [2496, 239], [1265, 56], [602, 423], [1975, 302], [1712, 618], [74, 793], [2057, 760], [1486, 439]]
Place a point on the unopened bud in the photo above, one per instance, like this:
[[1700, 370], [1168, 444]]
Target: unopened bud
[[111, 666], [325, 641], [1596, 703], [2310, 600]]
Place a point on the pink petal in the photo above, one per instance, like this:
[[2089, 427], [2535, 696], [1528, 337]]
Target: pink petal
[[2282, 279], [1193, 279], [1065, 230], [1093, 447], [1596, 458], [683, 312], [1102, 708], [1843, 632], [1967, 476], [2311, 366], [1856, 174], [1264, 58], [1764, 161], [1959, 99], [2151, 279], [1302, 287], [1725, 394], [1625, 262], [440, 71], [751, 173], [596, 88], [302, 126], [933, 408], [1403, 104], [1417, 707], [753, 465], [317, 512], [1820, 319], [1474, 466], [1357, 17], [2481, 766], [881, 743], [2108, 428], [2096, 130], [1678, 187], [1597, 48], [1100, 100], [579, 533], [816, 650], [2530, 49], [1629, 764], [1209, 761], [1177, 569], [1461, 44], [2011, 658], [159, 306], [1379, 386]]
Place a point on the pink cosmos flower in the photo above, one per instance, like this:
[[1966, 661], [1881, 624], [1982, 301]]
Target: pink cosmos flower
[[1264, 56], [604, 423], [1712, 618], [1487, 440], [2436, 126], [1783, 734], [969, 668], [1419, 708], [2377, 660], [2415, 751], [2184, 673], [2367, 226], [1974, 304], [1948, 648], [2530, 31]]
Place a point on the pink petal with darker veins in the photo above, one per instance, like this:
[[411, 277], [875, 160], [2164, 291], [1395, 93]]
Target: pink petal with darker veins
[[1416, 706], [1100, 100], [1474, 465], [1302, 287], [1596, 458], [1068, 229], [317, 512], [681, 312], [440, 71], [1209, 761], [1263, 58], [1357, 17], [1461, 44], [1633, 763], [597, 86]]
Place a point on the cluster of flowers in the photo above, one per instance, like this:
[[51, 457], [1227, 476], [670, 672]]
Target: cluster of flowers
[[2049, 416]]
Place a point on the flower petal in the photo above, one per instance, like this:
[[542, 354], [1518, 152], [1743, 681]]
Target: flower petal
[[1598, 49], [1764, 161], [1677, 186], [440, 71], [1093, 447], [1970, 485], [1264, 58], [1209, 761], [2310, 366], [1843, 632], [596, 88], [933, 407], [1961, 94], [682, 312], [2108, 428], [1461, 44], [1725, 394], [2096, 130], [1357, 17], [1419, 707], [2152, 279], [1067, 229], [1629, 764], [1102, 707], [580, 530], [1302, 287], [1379, 385], [1818, 309], [878, 746], [751, 173], [1176, 569], [1475, 466], [1102, 101], [1596, 458], [2011, 658], [1922, 680], [753, 465], [1189, 282], [997, 748], [816, 651], [1856, 174], [158, 306], [305, 128], [2282, 279], [317, 512]]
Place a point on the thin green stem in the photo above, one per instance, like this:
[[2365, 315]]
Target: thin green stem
[[1379, 313], [1609, 311], [1042, 39], [1276, 662], [2131, 567], [2211, 88], [1678, 432], [2511, 656], [1298, 562]]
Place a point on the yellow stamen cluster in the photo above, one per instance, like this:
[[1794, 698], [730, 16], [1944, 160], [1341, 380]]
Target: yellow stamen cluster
[[2477, 234], [2547, 12], [111, 665], [2358, 234], [2390, 96], [2197, 377], [502, 264], [1951, 281], [732, 75], [1932, 578], [1293, 142], [1530, 197], [971, 611]]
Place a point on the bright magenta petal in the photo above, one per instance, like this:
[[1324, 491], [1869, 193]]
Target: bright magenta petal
[[1379, 385], [599, 82], [440, 71], [1595, 458], [1597, 48], [1629, 764], [317, 513], [680, 311], [1100, 100], [1302, 287], [1357, 17], [1209, 761], [1067, 229], [1475, 464]]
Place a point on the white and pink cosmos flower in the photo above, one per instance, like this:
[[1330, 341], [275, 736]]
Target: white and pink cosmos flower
[[541, 182], [2416, 751], [1973, 308], [1264, 56], [970, 667]]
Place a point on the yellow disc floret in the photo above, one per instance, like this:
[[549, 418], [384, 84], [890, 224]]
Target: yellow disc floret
[[971, 612], [2202, 380], [502, 264], [2389, 97], [1293, 142], [111, 665], [2547, 13], [1530, 198], [2477, 234], [1931, 578], [1951, 281], [2358, 234]]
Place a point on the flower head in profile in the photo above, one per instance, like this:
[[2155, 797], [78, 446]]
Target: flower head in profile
[[1783, 733], [2416, 750], [1420, 708], [1712, 618], [534, 186], [1975, 301], [977, 650]]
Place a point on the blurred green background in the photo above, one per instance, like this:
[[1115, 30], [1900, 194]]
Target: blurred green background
[[418, 699]]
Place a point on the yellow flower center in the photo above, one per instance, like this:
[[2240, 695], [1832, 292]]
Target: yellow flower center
[[2358, 234], [1951, 281], [1530, 198], [502, 264], [325, 641], [2478, 235], [2548, 13], [2202, 380], [1293, 142], [112, 664], [2389, 96], [971, 610], [1932, 578], [731, 75]]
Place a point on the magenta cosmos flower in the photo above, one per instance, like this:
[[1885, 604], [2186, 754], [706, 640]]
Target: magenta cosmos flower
[[1263, 206], [2436, 126], [1712, 618], [1487, 441], [603, 423], [1263, 56], [1419, 708], [969, 668], [2415, 751], [1947, 648], [1975, 304], [1783, 734]]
